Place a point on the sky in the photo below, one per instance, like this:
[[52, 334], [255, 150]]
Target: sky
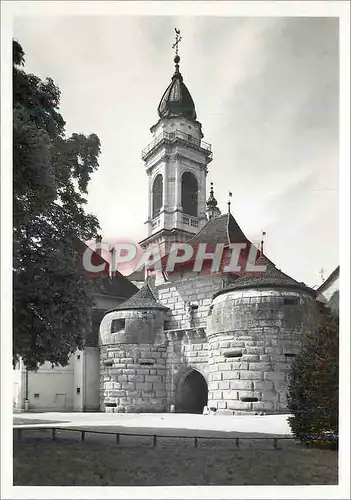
[[266, 93]]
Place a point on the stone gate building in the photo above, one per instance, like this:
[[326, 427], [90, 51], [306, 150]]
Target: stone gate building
[[189, 339]]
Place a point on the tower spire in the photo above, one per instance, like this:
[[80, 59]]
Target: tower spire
[[212, 209]]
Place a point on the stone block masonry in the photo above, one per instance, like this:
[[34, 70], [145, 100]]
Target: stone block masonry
[[133, 378], [242, 343], [189, 287], [249, 336]]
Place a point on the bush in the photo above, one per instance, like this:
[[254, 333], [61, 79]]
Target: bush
[[314, 384]]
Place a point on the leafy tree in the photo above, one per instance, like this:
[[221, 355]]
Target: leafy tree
[[314, 383], [52, 298]]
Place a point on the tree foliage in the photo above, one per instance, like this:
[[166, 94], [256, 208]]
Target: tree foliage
[[51, 173], [314, 383]]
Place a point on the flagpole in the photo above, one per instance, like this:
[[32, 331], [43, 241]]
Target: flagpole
[[229, 196], [262, 241]]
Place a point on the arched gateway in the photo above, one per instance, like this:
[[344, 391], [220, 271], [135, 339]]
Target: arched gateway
[[192, 393]]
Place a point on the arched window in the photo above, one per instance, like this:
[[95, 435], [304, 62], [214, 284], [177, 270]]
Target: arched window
[[157, 195], [189, 194]]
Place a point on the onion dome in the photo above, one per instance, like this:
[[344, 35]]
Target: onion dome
[[177, 101]]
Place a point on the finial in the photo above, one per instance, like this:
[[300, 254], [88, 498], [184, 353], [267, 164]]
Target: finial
[[212, 209], [262, 242], [211, 202], [178, 39]]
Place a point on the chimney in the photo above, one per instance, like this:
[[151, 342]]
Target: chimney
[[98, 242]]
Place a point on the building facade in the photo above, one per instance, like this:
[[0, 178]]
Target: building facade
[[186, 339]]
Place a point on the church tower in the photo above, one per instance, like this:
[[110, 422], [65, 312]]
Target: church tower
[[176, 165]]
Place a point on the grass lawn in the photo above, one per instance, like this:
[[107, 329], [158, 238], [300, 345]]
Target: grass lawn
[[99, 461]]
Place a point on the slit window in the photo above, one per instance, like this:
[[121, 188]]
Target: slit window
[[235, 353], [146, 363], [290, 301]]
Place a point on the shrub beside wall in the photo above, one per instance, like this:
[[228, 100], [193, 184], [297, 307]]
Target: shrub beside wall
[[314, 384]]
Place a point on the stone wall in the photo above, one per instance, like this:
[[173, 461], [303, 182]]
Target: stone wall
[[133, 362], [189, 287], [133, 378], [242, 343], [253, 337]]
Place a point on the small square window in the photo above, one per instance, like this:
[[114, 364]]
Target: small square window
[[118, 325], [78, 357], [36, 396], [78, 390]]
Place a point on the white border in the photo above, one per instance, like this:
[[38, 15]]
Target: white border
[[331, 8]]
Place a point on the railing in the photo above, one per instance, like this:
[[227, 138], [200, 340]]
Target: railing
[[186, 219], [171, 137], [155, 437], [155, 223]]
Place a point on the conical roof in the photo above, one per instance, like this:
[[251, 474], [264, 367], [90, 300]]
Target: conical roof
[[272, 278], [176, 100], [143, 299]]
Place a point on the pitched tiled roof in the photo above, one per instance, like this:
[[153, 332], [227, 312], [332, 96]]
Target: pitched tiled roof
[[333, 303], [117, 285], [143, 299], [222, 229], [334, 275], [272, 277]]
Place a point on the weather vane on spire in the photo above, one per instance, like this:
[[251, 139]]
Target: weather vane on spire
[[321, 273], [178, 40]]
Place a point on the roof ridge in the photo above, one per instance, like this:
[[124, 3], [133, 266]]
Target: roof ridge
[[150, 290], [271, 277]]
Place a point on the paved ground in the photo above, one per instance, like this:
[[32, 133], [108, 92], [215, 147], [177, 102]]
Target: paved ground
[[250, 424]]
